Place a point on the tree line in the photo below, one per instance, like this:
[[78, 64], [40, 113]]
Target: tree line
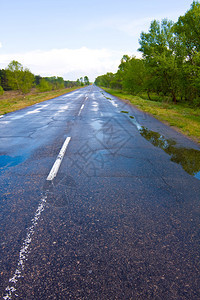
[[170, 63], [16, 77]]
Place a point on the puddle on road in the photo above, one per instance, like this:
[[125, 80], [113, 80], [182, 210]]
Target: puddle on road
[[124, 112], [7, 161], [189, 159]]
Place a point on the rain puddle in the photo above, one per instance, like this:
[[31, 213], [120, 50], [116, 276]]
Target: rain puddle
[[189, 159], [7, 161]]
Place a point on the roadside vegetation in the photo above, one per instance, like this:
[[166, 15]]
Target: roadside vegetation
[[12, 100], [168, 74], [20, 88]]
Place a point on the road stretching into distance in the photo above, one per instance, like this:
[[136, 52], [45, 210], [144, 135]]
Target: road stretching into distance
[[92, 204]]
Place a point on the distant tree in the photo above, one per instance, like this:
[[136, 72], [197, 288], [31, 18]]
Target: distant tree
[[27, 81], [86, 80], [44, 85], [14, 74], [81, 81], [37, 79], [78, 83], [60, 83], [19, 78]]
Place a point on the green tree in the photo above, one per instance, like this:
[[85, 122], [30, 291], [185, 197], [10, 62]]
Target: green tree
[[4, 80], [1, 90], [60, 83], [131, 74], [14, 74], [86, 80], [158, 47], [44, 86], [27, 82], [18, 78], [81, 81], [187, 31]]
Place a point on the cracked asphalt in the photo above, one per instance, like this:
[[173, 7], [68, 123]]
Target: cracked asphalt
[[119, 221]]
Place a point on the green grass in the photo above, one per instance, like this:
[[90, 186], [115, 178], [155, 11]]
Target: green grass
[[12, 100], [183, 118]]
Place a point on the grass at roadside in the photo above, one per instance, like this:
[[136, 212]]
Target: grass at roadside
[[12, 100], [180, 116]]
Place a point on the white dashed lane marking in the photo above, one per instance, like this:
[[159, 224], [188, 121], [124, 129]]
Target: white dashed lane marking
[[59, 159], [23, 254], [81, 109]]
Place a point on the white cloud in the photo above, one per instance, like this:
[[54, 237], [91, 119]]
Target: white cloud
[[68, 63], [0, 45]]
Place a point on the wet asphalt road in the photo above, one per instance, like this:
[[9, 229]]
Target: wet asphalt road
[[119, 221]]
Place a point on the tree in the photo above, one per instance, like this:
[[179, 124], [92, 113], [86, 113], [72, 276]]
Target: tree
[[60, 83], [4, 80], [14, 74], [81, 81], [27, 81], [18, 78], [133, 78], [188, 30], [104, 80], [37, 79], [171, 61], [158, 47], [86, 80], [44, 85]]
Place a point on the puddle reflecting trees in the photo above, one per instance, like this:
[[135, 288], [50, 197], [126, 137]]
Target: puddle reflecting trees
[[189, 159]]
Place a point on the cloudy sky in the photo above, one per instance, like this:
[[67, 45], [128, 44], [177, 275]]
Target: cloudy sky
[[74, 38]]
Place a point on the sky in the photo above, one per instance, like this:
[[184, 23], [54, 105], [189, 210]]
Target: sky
[[77, 38]]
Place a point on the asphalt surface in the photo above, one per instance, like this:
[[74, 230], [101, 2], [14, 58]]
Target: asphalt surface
[[120, 220]]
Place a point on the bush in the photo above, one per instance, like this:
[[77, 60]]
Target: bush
[[1, 90], [44, 86], [196, 102]]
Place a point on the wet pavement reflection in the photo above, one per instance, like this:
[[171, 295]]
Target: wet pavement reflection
[[189, 159]]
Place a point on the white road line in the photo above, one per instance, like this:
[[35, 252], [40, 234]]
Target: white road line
[[59, 159], [24, 251], [23, 254], [35, 111], [81, 109]]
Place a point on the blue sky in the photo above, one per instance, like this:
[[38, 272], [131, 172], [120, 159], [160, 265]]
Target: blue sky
[[77, 38]]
